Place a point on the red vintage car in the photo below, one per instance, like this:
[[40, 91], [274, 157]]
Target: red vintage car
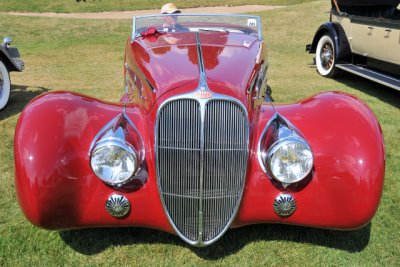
[[191, 149]]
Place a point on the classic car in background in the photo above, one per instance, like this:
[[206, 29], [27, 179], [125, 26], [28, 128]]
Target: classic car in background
[[361, 37], [9, 61], [191, 148]]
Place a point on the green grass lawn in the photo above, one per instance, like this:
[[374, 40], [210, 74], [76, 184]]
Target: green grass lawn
[[111, 5], [86, 56]]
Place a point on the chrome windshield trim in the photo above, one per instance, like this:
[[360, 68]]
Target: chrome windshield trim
[[133, 29], [257, 18]]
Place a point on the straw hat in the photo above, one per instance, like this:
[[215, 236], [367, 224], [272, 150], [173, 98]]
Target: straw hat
[[169, 8]]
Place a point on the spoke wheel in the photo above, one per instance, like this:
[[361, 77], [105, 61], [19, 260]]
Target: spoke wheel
[[325, 57]]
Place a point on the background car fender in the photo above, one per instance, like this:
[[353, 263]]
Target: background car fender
[[8, 59], [342, 46]]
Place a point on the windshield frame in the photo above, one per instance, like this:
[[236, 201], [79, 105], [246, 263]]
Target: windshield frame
[[257, 18]]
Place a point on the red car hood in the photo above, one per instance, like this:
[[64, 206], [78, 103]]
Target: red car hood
[[170, 61]]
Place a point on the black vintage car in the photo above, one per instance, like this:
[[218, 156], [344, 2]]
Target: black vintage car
[[9, 61], [361, 37]]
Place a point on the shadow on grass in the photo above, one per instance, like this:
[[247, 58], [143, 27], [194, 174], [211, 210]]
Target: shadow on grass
[[384, 93], [20, 95], [94, 241]]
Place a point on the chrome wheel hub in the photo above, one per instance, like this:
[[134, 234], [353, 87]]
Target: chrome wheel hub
[[327, 56]]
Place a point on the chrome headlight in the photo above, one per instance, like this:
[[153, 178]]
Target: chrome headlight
[[114, 161], [7, 42], [290, 160], [283, 152], [117, 152]]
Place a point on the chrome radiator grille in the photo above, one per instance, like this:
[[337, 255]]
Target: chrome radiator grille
[[201, 167]]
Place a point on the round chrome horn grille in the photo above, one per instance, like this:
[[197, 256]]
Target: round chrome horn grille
[[118, 205], [284, 205]]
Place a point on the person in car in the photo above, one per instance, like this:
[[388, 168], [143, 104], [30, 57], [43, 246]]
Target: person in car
[[171, 22]]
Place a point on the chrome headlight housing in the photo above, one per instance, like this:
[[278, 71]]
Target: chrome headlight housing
[[114, 161], [7, 42], [283, 153], [290, 160], [117, 152]]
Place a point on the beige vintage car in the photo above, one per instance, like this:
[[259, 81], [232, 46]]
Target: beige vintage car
[[362, 37]]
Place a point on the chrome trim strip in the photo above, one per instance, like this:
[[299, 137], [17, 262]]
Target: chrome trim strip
[[203, 84], [260, 36], [203, 106], [202, 72], [133, 28], [343, 67], [259, 152]]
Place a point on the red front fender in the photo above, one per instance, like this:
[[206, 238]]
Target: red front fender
[[349, 164], [57, 189], [55, 185]]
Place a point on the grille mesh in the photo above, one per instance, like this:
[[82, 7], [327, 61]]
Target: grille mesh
[[187, 186]]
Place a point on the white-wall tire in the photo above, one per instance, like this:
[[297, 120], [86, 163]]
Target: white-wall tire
[[5, 85], [325, 58]]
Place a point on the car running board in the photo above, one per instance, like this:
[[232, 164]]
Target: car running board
[[372, 75]]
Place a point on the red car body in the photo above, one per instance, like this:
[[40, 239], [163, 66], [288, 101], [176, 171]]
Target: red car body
[[57, 188]]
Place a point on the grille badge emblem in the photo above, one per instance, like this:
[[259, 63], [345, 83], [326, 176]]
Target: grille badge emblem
[[203, 94], [284, 205], [118, 205]]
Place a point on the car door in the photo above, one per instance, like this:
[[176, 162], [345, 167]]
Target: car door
[[362, 36], [380, 41], [392, 42]]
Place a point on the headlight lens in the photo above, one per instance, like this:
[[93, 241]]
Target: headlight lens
[[114, 161], [290, 160]]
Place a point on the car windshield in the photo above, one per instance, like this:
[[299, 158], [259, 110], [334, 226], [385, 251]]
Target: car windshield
[[197, 22]]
